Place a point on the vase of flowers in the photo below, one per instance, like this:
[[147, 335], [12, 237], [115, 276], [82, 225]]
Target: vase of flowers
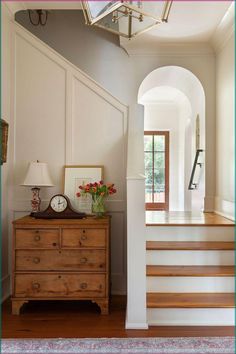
[[99, 191]]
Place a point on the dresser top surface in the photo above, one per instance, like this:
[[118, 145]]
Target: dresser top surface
[[89, 220]]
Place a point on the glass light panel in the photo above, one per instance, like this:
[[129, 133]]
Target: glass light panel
[[147, 142], [159, 193], [159, 160], [148, 163], [159, 143], [159, 177], [148, 160], [97, 8]]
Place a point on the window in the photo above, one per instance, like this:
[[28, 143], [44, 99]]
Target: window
[[156, 157]]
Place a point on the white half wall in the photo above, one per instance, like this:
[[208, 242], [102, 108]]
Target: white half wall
[[225, 129], [63, 117], [6, 168]]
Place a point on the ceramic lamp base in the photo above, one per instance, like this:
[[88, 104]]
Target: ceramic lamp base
[[36, 201]]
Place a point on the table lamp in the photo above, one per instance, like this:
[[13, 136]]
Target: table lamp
[[37, 176]]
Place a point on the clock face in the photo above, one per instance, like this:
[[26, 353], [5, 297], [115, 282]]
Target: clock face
[[58, 203]]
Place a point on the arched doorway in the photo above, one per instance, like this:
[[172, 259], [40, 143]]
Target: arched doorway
[[174, 102]]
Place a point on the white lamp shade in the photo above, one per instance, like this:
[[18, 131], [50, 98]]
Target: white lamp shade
[[38, 175]]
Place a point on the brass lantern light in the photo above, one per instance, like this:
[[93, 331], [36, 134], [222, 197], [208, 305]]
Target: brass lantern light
[[126, 18]]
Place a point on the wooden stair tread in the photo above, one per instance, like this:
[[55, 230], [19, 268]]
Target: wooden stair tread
[[190, 271], [190, 300], [204, 246], [185, 218]]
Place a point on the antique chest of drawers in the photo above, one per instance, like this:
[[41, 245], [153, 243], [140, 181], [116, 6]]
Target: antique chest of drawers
[[61, 260]]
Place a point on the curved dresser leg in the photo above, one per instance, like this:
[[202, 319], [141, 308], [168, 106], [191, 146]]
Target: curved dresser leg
[[104, 306], [16, 306]]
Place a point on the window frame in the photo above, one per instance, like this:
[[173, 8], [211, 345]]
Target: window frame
[[161, 206]]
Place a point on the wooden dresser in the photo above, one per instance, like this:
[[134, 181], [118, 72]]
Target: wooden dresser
[[61, 260]]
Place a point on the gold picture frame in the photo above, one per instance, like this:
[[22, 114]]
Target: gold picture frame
[[76, 175], [4, 140]]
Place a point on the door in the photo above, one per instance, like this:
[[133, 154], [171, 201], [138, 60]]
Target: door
[[156, 158]]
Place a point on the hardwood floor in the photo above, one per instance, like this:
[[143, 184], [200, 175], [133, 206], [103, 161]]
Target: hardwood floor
[[83, 320], [185, 218]]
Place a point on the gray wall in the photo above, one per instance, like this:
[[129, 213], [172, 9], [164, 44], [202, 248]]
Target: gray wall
[[93, 50]]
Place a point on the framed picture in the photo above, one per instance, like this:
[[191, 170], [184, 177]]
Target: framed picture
[[76, 176], [4, 138]]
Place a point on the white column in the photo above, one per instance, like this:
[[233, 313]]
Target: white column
[[136, 254]]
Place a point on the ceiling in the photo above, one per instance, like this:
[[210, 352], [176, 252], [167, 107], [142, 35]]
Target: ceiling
[[189, 21], [163, 94]]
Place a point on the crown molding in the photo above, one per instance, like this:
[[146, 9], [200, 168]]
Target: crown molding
[[153, 48], [224, 31]]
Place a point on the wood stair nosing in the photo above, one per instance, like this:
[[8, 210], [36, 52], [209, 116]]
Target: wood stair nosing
[[192, 245], [190, 300], [190, 271]]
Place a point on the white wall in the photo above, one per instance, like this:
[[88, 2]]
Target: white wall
[[225, 128], [6, 168], [165, 116]]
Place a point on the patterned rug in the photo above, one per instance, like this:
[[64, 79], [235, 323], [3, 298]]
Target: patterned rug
[[195, 345]]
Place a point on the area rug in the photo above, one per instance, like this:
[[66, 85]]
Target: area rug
[[192, 345]]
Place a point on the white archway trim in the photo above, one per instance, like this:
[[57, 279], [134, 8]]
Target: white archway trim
[[173, 76]]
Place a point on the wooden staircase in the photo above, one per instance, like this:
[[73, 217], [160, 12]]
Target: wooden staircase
[[190, 273]]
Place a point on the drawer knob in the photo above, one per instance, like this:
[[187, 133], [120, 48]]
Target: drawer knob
[[54, 244], [83, 238], [83, 260], [35, 286], [83, 286], [37, 238], [36, 260]]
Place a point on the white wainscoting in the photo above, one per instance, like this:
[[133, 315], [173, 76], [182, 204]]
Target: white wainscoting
[[63, 117]]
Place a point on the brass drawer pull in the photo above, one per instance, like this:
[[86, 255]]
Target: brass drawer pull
[[37, 238], [83, 238], [83, 286], [35, 286], [36, 260], [83, 260]]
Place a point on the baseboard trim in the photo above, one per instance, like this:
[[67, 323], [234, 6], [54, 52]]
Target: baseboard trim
[[129, 325], [227, 216], [225, 208], [119, 292]]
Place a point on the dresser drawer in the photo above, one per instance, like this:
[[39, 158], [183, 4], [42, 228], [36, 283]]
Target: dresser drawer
[[83, 238], [37, 238], [60, 285], [85, 260]]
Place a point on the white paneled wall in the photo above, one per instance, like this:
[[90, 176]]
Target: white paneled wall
[[63, 117]]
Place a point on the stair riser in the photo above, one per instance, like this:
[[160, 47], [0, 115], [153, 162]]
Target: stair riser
[[190, 284], [187, 233], [190, 317], [190, 258]]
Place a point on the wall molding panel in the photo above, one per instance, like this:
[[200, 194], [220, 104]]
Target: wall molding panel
[[52, 102]]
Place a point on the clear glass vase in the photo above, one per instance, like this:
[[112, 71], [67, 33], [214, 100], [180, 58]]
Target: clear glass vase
[[98, 207]]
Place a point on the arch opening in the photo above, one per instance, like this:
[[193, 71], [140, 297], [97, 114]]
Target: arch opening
[[174, 101]]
